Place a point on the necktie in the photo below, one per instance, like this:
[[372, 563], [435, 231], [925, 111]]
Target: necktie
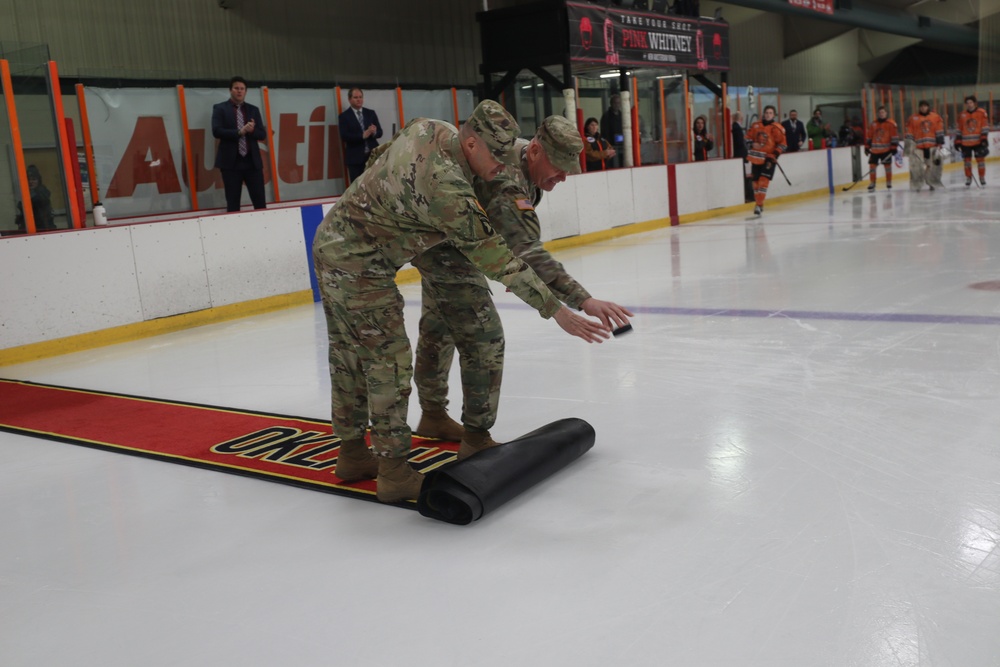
[[239, 127], [361, 119]]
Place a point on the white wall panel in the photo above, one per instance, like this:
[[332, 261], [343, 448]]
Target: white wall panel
[[562, 216], [692, 187], [650, 193], [726, 184], [67, 283], [62, 284], [170, 268], [254, 255], [594, 201], [622, 205]]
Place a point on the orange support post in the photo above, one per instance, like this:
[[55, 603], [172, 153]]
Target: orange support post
[[454, 106], [68, 157], [343, 158], [270, 142], [15, 133], [399, 104], [727, 136], [188, 155], [892, 108], [902, 112], [864, 113], [88, 144], [636, 136], [663, 123], [687, 120]]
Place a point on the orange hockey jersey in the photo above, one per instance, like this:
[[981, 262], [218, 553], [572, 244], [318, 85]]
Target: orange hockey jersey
[[883, 136], [973, 128], [765, 141], [926, 131]]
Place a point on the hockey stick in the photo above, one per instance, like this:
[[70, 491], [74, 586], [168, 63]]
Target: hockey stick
[[783, 173], [976, 181], [863, 177]]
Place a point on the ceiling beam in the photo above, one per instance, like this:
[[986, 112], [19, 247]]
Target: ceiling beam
[[862, 15]]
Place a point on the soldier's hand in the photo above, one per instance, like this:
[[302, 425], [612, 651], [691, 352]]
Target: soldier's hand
[[611, 314], [591, 331]]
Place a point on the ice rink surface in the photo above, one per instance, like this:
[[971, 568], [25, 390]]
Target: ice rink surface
[[797, 464]]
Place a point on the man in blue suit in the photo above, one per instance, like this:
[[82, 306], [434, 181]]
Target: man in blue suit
[[795, 131], [359, 130], [238, 126]]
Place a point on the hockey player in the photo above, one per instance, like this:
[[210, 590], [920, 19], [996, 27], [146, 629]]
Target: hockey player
[[883, 140], [924, 138], [765, 142], [973, 138]]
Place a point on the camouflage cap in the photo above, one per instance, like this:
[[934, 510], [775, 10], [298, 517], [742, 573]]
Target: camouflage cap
[[495, 126], [562, 143]]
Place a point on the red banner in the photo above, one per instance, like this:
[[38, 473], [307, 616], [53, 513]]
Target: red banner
[[612, 36], [822, 6]]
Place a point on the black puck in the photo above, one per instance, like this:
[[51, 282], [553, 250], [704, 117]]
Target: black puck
[[622, 330]]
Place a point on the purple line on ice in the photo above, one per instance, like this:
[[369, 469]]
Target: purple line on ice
[[916, 318]]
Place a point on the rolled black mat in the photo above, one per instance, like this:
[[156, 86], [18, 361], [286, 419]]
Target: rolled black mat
[[464, 491]]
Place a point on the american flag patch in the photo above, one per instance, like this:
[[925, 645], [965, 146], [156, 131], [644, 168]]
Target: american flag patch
[[524, 205]]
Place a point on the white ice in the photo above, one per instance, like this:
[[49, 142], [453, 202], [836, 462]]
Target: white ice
[[797, 464]]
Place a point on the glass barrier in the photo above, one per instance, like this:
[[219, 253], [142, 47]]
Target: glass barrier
[[42, 155]]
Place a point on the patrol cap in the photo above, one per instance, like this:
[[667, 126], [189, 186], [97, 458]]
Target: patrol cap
[[495, 126], [562, 143]]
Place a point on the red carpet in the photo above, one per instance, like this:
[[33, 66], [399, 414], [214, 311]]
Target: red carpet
[[278, 448]]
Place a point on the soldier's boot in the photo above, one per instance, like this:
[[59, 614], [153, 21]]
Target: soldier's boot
[[474, 442], [437, 424], [355, 461], [396, 480]]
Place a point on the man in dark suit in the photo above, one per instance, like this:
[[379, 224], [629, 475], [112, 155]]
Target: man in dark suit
[[238, 126], [740, 151], [795, 131], [359, 130]]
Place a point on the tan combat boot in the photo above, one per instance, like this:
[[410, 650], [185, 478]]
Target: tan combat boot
[[396, 480], [475, 441], [355, 461], [437, 424]]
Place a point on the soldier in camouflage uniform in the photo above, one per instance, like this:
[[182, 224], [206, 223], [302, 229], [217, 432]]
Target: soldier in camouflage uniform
[[457, 308], [417, 194]]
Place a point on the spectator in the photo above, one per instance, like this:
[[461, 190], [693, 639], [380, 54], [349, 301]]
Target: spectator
[[795, 131], [611, 130], [597, 150], [817, 130], [846, 136], [41, 203], [238, 126], [701, 141], [740, 151], [359, 130]]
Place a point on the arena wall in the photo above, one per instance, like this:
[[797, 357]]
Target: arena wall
[[62, 285]]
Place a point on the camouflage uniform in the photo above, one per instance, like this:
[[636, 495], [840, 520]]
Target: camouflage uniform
[[417, 195], [467, 319]]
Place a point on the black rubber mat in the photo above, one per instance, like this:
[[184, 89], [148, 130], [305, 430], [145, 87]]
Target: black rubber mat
[[465, 491]]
